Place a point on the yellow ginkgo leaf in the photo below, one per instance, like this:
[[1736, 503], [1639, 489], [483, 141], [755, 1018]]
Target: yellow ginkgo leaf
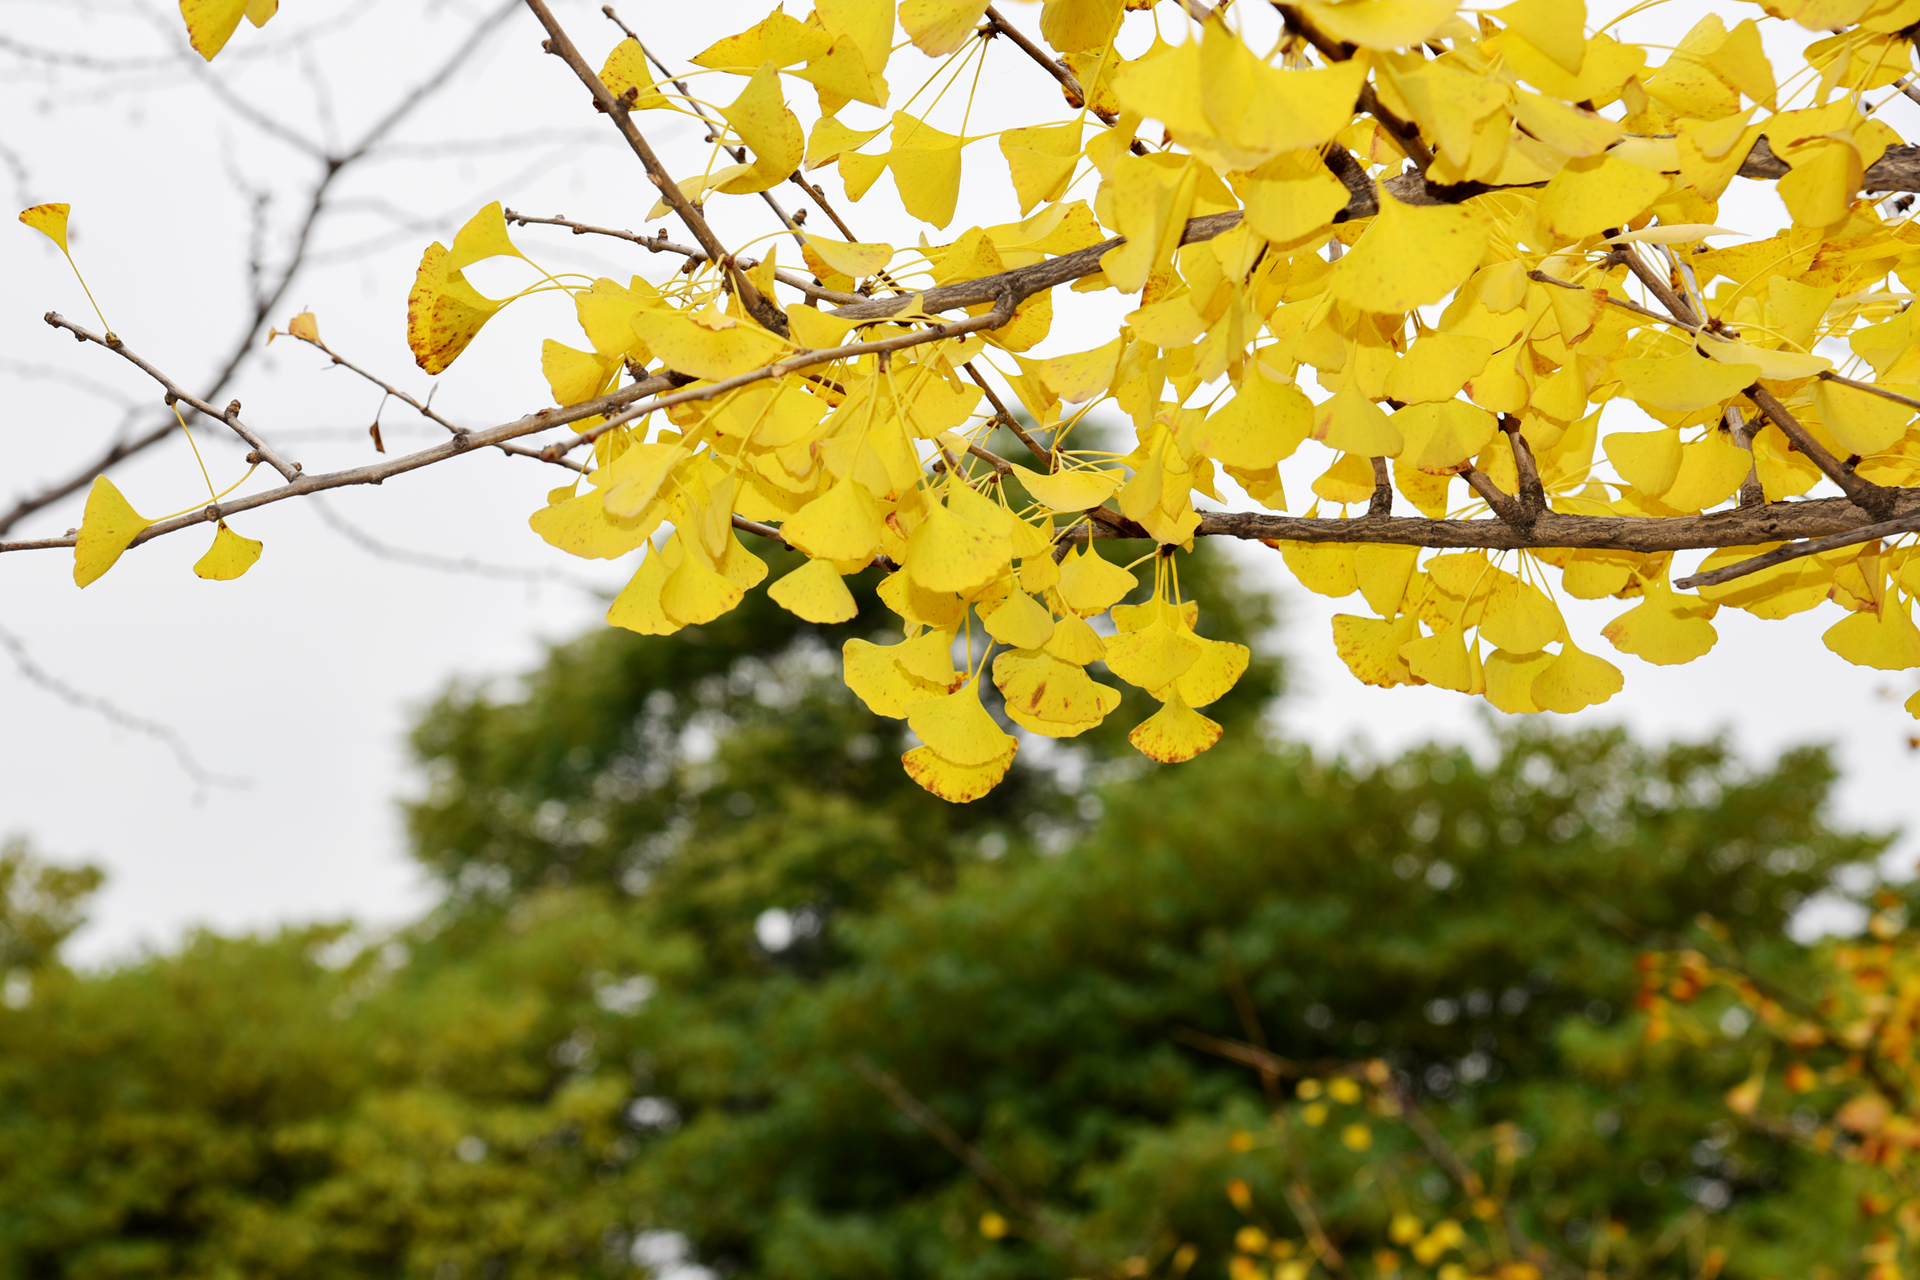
[[1019, 621], [1885, 640], [1441, 659], [856, 260], [484, 236], [1174, 734], [1350, 422], [773, 133], [106, 527], [841, 524], [778, 38], [1069, 490], [637, 607], [575, 375], [50, 220], [891, 678], [950, 553], [938, 27], [926, 169], [1089, 583], [1382, 571], [694, 593], [1509, 679], [629, 78], [1371, 647], [1380, 24], [211, 23], [1324, 568], [1079, 377], [1557, 28], [444, 312], [1647, 460], [1599, 193], [1575, 680], [706, 344], [1681, 384], [1860, 421], [1665, 628], [631, 482], [1263, 423], [958, 728], [1293, 195], [816, 592], [1524, 621], [1076, 642], [1048, 695], [1409, 256], [1152, 657], [230, 555], [956, 783], [1213, 674], [581, 525], [1041, 161], [1440, 436], [304, 327]]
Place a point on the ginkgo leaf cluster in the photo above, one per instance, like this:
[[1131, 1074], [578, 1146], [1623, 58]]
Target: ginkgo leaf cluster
[[1468, 264]]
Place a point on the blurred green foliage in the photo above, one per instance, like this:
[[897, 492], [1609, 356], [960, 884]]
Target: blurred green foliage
[[708, 964]]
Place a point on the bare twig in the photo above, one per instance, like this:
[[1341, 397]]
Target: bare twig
[[561, 45], [445, 564], [230, 415], [1796, 550]]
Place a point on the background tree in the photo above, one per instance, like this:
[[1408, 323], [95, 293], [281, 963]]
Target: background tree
[[850, 1030]]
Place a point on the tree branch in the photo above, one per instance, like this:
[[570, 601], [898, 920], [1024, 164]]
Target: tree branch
[[230, 415], [561, 46], [1796, 550]]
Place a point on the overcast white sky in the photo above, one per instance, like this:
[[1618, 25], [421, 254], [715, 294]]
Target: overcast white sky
[[301, 678]]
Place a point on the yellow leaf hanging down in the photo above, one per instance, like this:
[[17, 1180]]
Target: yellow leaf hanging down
[[773, 133], [1595, 193], [938, 27], [574, 375], [50, 220], [1041, 161], [1371, 647], [211, 23], [1575, 680], [1152, 657], [891, 678], [1885, 639], [778, 38], [1263, 423], [1175, 733], [1292, 195], [841, 524], [816, 592], [1442, 659], [1019, 622], [629, 78], [958, 728], [230, 555], [107, 526], [1050, 696], [926, 169], [1665, 628], [1090, 584], [956, 783], [1509, 679], [637, 607], [1410, 256]]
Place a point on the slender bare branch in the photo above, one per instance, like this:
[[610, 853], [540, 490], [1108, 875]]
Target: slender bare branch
[[1796, 550], [561, 46], [230, 415]]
